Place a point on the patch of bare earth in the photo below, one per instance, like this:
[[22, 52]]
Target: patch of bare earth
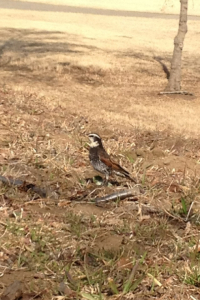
[[65, 246]]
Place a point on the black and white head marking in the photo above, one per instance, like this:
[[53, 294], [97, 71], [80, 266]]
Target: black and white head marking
[[95, 140]]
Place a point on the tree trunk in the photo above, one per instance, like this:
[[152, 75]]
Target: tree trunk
[[174, 83]]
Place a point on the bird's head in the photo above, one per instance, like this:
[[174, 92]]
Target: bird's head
[[95, 140]]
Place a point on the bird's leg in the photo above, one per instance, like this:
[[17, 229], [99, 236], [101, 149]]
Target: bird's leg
[[105, 182]]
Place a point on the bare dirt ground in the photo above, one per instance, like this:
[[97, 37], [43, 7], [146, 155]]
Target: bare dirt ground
[[62, 77]]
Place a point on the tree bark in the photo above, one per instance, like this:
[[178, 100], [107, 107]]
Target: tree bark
[[174, 83]]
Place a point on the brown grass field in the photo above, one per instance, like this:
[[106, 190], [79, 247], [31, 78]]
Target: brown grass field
[[62, 76]]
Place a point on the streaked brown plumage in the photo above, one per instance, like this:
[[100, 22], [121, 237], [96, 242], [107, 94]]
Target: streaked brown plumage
[[102, 162]]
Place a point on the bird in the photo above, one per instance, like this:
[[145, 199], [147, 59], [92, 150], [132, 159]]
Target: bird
[[101, 161]]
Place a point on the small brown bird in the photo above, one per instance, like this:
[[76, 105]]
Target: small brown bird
[[102, 162]]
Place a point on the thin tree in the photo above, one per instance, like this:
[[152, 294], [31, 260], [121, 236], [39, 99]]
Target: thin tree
[[174, 82]]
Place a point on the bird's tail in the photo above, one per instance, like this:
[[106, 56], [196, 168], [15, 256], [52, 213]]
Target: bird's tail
[[122, 172], [131, 178]]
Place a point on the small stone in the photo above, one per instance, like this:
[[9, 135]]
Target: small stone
[[166, 162], [140, 152]]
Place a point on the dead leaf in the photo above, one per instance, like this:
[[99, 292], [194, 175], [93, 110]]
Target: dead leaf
[[125, 263], [64, 289], [174, 188]]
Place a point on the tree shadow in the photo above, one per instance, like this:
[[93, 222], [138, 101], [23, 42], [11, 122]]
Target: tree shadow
[[28, 42], [190, 62], [29, 51], [33, 42], [163, 65]]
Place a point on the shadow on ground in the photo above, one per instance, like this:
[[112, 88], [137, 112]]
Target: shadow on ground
[[30, 50]]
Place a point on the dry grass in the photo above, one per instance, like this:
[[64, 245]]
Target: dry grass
[[58, 86]]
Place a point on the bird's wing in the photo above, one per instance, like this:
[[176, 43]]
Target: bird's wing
[[105, 160], [118, 168], [104, 157]]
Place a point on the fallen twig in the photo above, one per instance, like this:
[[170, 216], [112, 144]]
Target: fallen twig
[[189, 211], [176, 92], [120, 195], [3, 224], [123, 194], [24, 186]]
